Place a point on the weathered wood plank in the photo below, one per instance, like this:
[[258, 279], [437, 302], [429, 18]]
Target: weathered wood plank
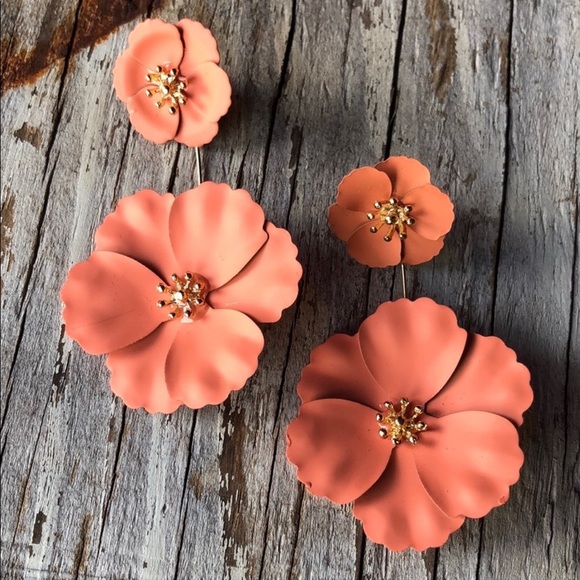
[[91, 489], [535, 309]]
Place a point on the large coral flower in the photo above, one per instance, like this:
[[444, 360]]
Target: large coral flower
[[391, 213], [173, 290], [413, 420], [171, 82]]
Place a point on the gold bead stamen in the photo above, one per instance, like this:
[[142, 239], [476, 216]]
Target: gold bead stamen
[[398, 426], [169, 86], [393, 214], [187, 298]]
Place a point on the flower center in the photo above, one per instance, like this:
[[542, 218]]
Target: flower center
[[169, 86], [187, 297], [392, 214], [398, 425]]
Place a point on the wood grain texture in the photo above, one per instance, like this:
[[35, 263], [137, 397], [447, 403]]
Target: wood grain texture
[[486, 93]]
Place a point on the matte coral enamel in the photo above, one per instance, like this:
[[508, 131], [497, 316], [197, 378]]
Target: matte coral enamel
[[399, 513], [212, 356], [468, 460], [412, 347], [337, 370], [267, 284], [481, 381], [138, 371], [336, 448], [110, 302], [215, 231], [139, 228]]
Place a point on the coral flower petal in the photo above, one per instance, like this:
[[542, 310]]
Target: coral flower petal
[[110, 302], [194, 130], [417, 249], [399, 513], [337, 449], [210, 86], [128, 77], [156, 43], [432, 210], [200, 45], [138, 371], [138, 228], [337, 370], [359, 190], [488, 378], [212, 356], [372, 250], [215, 231], [345, 222], [155, 124], [412, 348], [405, 174], [268, 284], [468, 460]]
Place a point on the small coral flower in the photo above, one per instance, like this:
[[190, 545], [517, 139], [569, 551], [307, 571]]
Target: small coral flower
[[391, 213], [413, 420], [171, 82], [173, 290]]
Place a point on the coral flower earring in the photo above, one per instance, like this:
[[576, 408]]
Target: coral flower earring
[[171, 82], [412, 419], [176, 285], [391, 214]]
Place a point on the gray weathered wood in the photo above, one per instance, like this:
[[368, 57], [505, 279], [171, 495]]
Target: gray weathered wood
[[486, 93]]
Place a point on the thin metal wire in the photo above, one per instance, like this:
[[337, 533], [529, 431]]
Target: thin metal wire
[[198, 165], [404, 281]]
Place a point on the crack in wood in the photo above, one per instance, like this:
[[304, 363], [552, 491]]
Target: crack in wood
[[240, 176], [506, 167], [296, 524], [107, 504], [36, 243], [183, 504], [279, 93], [123, 156], [173, 174], [58, 103], [9, 382], [360, 552], [573, 329], [26, 482], [394, 100]]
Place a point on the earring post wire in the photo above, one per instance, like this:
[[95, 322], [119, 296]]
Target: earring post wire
[[403, 274], [198, 165]]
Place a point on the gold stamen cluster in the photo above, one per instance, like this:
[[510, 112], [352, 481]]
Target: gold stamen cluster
[[398, 426], [187, 297], [393, 214], [168, 86]]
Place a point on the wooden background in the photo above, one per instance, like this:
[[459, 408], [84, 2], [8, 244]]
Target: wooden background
[[485, 92]]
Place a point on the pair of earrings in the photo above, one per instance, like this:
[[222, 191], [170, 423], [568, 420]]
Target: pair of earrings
[[412, 418]]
